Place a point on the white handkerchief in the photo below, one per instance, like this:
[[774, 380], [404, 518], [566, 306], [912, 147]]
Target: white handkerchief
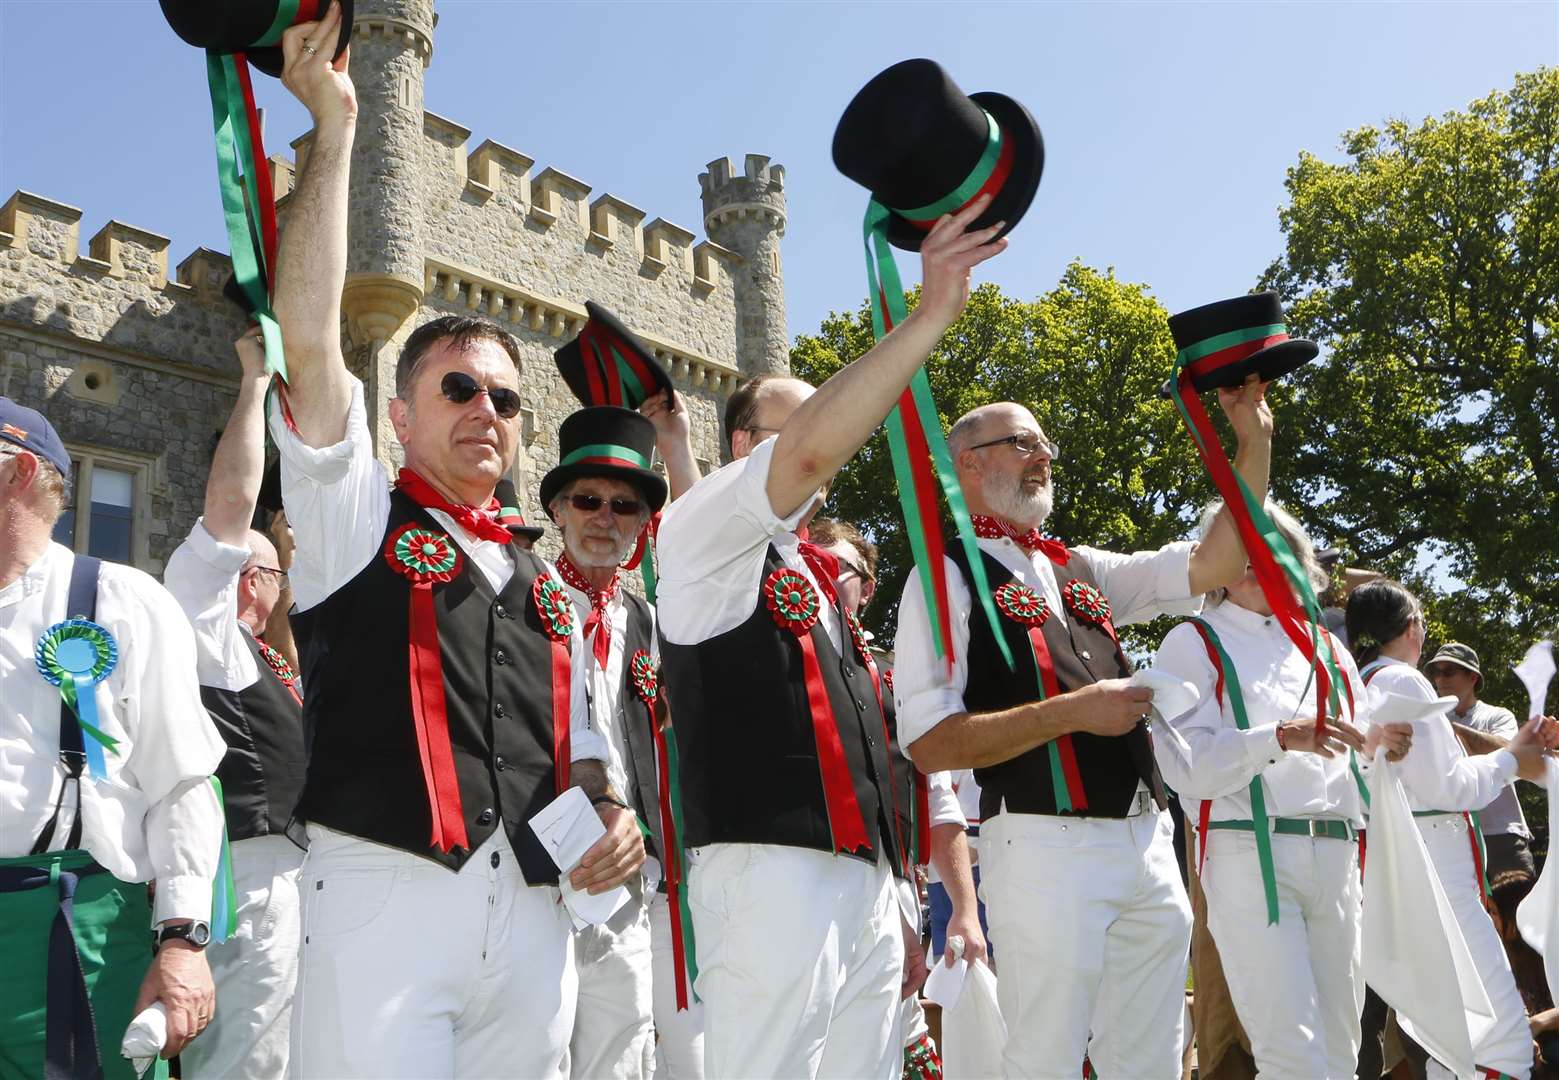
[[145, 1037], [1389, 708], [567, 827], [1538, 916], [946, 984], [1172, 697], [1535, 671]]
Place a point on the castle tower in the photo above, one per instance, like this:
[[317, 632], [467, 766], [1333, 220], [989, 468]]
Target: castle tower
[[747, 215], [392, 43]]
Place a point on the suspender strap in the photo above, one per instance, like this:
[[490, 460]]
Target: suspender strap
[[80, 603]]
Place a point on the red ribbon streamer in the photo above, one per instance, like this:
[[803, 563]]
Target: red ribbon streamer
[[672, 859], [561, 741], [429, 715], [844, 812], [1064, 747]]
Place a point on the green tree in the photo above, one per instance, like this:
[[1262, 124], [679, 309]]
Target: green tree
[[1087, 358]]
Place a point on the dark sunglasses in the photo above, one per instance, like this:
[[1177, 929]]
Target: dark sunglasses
[[847, 568], [589, 504], [460, 388]]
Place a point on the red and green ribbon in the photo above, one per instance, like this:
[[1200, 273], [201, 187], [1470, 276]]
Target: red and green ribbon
[[643, 557], [916, 442], [426, 557], [684, 950], [990, 172], [606, 454], [224, 894], [556, 609], [1221, 350], [1277, 569], [1028, 609], [1229, 677], [615, 376]]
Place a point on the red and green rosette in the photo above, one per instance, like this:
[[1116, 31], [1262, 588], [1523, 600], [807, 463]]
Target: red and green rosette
[[794, 604], [1088, 604], [76, 655], [556, 610], [425, 558], [887, 680], [1023, 605], [858, 639], [283, 670], [646, 683]]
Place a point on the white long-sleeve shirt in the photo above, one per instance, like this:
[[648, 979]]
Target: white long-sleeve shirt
[[202, 575], [154, 817], [1437, 773], [1213, 759], [1139, 587], [338, 504]]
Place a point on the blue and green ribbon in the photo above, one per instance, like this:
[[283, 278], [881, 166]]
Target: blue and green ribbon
[[76, 655]]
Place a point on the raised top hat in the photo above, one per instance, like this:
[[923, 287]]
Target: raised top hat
[[606, 441], [607, 365], [1227, 341], [252, 27], [924, 148], [509, 514]]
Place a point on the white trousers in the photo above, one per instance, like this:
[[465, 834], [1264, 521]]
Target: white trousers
[[614, 1032], [799, 962], [1092, 929], [255, 969], [1508, 1045], [409, 969], [679, 1044], [1297, 986]]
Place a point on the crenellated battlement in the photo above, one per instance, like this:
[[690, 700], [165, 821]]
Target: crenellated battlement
[[757, 193]]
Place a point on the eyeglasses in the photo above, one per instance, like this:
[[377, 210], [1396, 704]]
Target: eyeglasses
[[589, 504], [460, 388], [847, 568], [281, 575], [1025, 445], [759, 427]]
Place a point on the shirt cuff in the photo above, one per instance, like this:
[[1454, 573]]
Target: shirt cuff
[[926, 710], [214, 553], [1507, 763], [322, 465], [1262, 745], [185, 897], [587, 745]]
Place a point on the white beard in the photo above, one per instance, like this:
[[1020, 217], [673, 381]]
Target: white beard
[[1026, 511], [582, 559]]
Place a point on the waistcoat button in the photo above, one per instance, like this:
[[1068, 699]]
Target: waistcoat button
[[499, 711], [500, 611], [485, 818], [500, 657]]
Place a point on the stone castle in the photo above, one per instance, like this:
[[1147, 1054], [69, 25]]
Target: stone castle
[[135, 366]]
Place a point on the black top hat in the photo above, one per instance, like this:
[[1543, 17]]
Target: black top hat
[[509, 511], [252, 27], [1227, 341], [606, 441], [924, 148], [607, 365]]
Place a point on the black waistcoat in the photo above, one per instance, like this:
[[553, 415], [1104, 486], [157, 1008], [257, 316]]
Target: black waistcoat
[[749, 763], [907, 781], [365, 773], [1110, 766], [262, 771]]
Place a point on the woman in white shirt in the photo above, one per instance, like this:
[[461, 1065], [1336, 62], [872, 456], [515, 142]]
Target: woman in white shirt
[[1443, 786], [1278, 814]]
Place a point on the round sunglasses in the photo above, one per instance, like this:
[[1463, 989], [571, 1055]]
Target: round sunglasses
[[460, 388], [622, 507]]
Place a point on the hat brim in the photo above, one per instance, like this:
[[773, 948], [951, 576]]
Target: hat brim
[[268, 59], [532, 532], [649, 482], [1464, 665], [1015, 196], [1270, 363]]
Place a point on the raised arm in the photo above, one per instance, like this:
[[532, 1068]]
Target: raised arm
[[826, 431], [673, 438], [1220, 558], [239, 461], [311, 265]]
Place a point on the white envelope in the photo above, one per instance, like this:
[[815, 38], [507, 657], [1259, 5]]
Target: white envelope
[[567, 827], [1538, 916], [1172, 697]]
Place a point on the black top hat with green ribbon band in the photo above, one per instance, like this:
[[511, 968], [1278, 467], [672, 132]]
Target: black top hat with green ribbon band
[[607, 365], [924, 148], [509, 515], [611, 442], [251, 27], [1223, 343]]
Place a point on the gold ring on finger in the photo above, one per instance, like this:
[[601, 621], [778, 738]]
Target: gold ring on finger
[[311, 50]]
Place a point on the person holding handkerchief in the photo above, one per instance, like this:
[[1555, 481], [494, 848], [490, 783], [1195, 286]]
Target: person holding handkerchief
[[1445, 788], [1278, 817]]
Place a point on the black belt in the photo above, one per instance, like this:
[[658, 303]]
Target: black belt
[[70, 1033]]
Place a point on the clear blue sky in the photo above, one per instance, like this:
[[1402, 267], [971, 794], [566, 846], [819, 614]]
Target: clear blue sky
[[1168, 127]]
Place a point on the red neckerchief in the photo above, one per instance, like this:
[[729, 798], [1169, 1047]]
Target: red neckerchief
[[991, 528], [600, 643], [824, 566], [480, 522]]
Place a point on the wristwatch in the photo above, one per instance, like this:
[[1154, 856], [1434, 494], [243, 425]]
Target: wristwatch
[[196, 933]]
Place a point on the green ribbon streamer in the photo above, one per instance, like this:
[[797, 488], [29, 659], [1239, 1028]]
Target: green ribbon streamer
[[1258, 801], [647, 571], [972, 183], [629, 379], [918, 519], [224, 894], [674, 774]]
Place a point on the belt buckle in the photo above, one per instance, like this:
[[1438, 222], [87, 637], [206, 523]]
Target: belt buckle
[[1317, 828]]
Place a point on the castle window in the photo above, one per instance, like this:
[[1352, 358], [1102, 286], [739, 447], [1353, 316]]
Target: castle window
[[107, 507]]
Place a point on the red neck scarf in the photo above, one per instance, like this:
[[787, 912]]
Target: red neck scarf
[[824, 566], [480, 522], [597, 630], [991, 528]]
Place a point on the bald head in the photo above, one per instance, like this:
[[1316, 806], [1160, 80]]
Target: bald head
[[1009, 480], [261, 551], [760, 408]]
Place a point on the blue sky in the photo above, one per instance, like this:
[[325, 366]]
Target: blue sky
[[1168, 127]]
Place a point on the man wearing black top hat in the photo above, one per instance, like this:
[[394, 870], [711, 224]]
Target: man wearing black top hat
[[227, 578], [446, 700]]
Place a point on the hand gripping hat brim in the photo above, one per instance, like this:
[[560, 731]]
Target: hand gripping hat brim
[[607, 365], [606, 441], [1225, 342], [252, 27], [924, 148]]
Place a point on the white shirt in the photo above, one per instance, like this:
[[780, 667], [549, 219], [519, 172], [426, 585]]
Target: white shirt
[[1139, 587], [202, 575], [1504, 814], [712, 545], [338, 504], [1437, 773], [945, 810], [155, 816], [1213, 759]]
